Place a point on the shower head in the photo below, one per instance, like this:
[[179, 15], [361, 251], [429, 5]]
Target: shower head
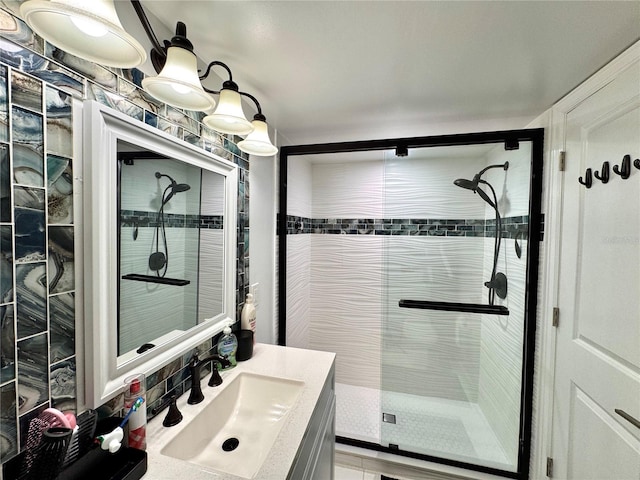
[[473, 184], [174, 188], [180, 187], [468, 184]]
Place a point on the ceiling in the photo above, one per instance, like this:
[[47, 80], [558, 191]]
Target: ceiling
[[353, 70]]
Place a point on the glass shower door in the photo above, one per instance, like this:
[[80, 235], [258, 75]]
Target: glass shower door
[[454, 323]]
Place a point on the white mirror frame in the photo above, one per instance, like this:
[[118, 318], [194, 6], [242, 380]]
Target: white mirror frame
[[103, 127]]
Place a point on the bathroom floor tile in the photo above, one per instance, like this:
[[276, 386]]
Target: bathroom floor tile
[[344, 473]]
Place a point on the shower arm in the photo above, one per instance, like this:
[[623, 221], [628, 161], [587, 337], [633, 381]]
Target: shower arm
[[504, 166]]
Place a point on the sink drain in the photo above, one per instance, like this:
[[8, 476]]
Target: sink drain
[[230, 444]]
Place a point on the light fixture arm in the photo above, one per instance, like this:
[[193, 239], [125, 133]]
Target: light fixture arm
[[158, 51], [259, 115]]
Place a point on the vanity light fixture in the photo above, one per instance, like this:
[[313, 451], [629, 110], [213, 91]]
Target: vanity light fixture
[[258, 142], [87, 29], [228, 116], [92, 30], [178, 83]]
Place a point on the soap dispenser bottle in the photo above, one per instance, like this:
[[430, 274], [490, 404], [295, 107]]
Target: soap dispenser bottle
[[228, 345], [248, 316]]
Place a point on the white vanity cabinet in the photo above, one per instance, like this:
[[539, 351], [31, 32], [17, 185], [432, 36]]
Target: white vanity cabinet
[[315, 457]]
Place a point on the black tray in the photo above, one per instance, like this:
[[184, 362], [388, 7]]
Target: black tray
[[126, 464]]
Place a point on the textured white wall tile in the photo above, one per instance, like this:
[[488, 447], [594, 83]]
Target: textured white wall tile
[[501, 352], [211, 275], [512, 186], [427, 352], [144, 190], [353, 190], [298, 290], [299, 193], [346, 304], [417, 188], [152, 304], [212, 194]]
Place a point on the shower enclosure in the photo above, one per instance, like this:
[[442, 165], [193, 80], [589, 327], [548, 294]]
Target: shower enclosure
[[415, 260]]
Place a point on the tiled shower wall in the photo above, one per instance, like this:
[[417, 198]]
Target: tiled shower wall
[[363, 235], [37, 222]]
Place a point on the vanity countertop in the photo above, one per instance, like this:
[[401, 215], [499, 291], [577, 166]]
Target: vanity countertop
[[311, 367]]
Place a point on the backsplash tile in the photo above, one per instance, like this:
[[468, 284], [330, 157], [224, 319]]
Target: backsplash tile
[[62, 326], [37, 234], [8, 420], [28, 147], [31, 298], [7, 344], [26, 91], [63, 385], [33, 373]]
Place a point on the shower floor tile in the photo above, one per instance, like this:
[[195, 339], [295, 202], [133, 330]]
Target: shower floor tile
[[432, 426], [358, 412]]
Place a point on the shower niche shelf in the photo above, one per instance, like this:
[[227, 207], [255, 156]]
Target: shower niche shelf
[[455, 307], [155, 279]]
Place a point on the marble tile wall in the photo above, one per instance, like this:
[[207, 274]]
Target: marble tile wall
[[37, 223]]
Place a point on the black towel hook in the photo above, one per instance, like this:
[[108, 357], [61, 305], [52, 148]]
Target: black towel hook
[[604, 176], [636, 163], [625, 167], [588, 181]]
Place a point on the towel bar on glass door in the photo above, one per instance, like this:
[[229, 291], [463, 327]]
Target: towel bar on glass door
[[455, 307]]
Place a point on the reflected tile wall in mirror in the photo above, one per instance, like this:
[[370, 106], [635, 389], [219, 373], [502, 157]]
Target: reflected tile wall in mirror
[[38, 83]]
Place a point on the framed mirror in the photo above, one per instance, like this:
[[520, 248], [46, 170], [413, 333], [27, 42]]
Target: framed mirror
[[159, 248]]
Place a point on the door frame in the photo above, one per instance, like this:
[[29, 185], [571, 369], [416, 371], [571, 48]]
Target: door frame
[[550, 271], [536, 137]]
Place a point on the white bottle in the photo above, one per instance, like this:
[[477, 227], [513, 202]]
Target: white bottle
[[248, 316]]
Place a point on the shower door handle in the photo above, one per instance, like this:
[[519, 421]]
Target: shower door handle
[[633, 421]]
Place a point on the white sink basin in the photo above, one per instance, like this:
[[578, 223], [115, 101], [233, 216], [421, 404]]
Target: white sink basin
[[251, 409]]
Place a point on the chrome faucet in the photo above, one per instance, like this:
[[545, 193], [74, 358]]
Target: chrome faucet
[[195, 365]]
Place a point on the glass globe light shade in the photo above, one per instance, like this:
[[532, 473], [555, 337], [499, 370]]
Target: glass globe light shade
[[86, 29], [258, 142], [229, 116], [178, 83]]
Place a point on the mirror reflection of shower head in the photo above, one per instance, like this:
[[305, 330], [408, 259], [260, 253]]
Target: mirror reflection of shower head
[[174, 188], [158, 260]]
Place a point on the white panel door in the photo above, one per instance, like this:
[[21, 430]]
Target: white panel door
[[598, 343]]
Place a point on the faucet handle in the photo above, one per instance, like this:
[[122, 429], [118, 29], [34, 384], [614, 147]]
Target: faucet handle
[[173, 416], [194, 359], [215, 379]]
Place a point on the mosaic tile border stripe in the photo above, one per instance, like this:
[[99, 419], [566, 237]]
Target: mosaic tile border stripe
[[511, 226], [138, 218]]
